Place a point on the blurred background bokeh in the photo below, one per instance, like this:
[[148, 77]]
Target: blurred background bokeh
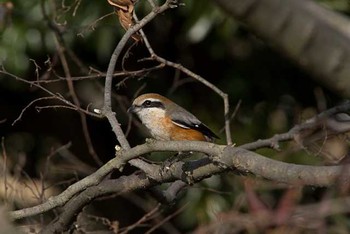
[[45, 149]]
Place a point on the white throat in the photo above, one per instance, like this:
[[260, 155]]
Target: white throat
[[152, 119]]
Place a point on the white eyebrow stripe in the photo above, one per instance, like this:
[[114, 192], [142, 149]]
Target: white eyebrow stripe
[[180, 125], [153, 100]]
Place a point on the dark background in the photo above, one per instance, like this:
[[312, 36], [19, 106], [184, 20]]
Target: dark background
[[275, 94]]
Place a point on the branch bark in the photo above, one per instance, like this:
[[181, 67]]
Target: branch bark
[[107, 109], [246, 164], [110, 71], [224, 157], [119, 186]]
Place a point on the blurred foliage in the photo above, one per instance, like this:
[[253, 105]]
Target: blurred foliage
[[275, 94], [339, 5]]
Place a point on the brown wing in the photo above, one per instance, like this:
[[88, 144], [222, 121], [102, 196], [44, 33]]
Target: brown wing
[[185, 119]]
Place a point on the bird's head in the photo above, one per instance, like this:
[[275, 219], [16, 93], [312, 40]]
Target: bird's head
[[150, 105]]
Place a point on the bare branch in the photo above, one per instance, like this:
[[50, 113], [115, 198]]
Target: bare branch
[[142, 219], [221, 158], [92, 25], [139, 72], [178, 211], [197, 77], [307, 125], [29, 105], [226, 156], [111, 67], [57, 96], [60, 45]]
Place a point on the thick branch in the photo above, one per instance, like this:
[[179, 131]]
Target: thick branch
[[226, 156], [210, 149], [119, 186], [274, 170]]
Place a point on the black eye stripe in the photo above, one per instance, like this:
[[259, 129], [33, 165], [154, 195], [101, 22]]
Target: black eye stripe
[[150, 104]]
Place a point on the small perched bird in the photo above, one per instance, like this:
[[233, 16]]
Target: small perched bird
[[168, 121]]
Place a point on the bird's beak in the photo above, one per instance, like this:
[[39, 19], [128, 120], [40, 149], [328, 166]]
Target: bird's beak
[[132, 109]]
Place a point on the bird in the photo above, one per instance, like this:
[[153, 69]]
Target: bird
[[168, 121]]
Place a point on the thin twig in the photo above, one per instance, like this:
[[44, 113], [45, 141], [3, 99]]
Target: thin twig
[[197, 77], [234, 113], [167, 219], [39, 108], [226, 157], [107, 109], [92, 25], [101, 75], [60, 48], [143, 219], [60, 45], [29, 105], [57, 96], [223, 155], [308, 124]]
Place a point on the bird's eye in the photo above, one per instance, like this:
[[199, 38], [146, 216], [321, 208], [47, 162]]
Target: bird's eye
[[147, 103]]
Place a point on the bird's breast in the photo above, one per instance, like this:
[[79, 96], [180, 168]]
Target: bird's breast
[[161, 127], [155, 121]]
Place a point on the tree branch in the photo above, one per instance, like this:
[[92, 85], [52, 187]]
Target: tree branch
[[152, 171], [119, 186], [111, 67], [309, 124], [197, 77], [224, 156]]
